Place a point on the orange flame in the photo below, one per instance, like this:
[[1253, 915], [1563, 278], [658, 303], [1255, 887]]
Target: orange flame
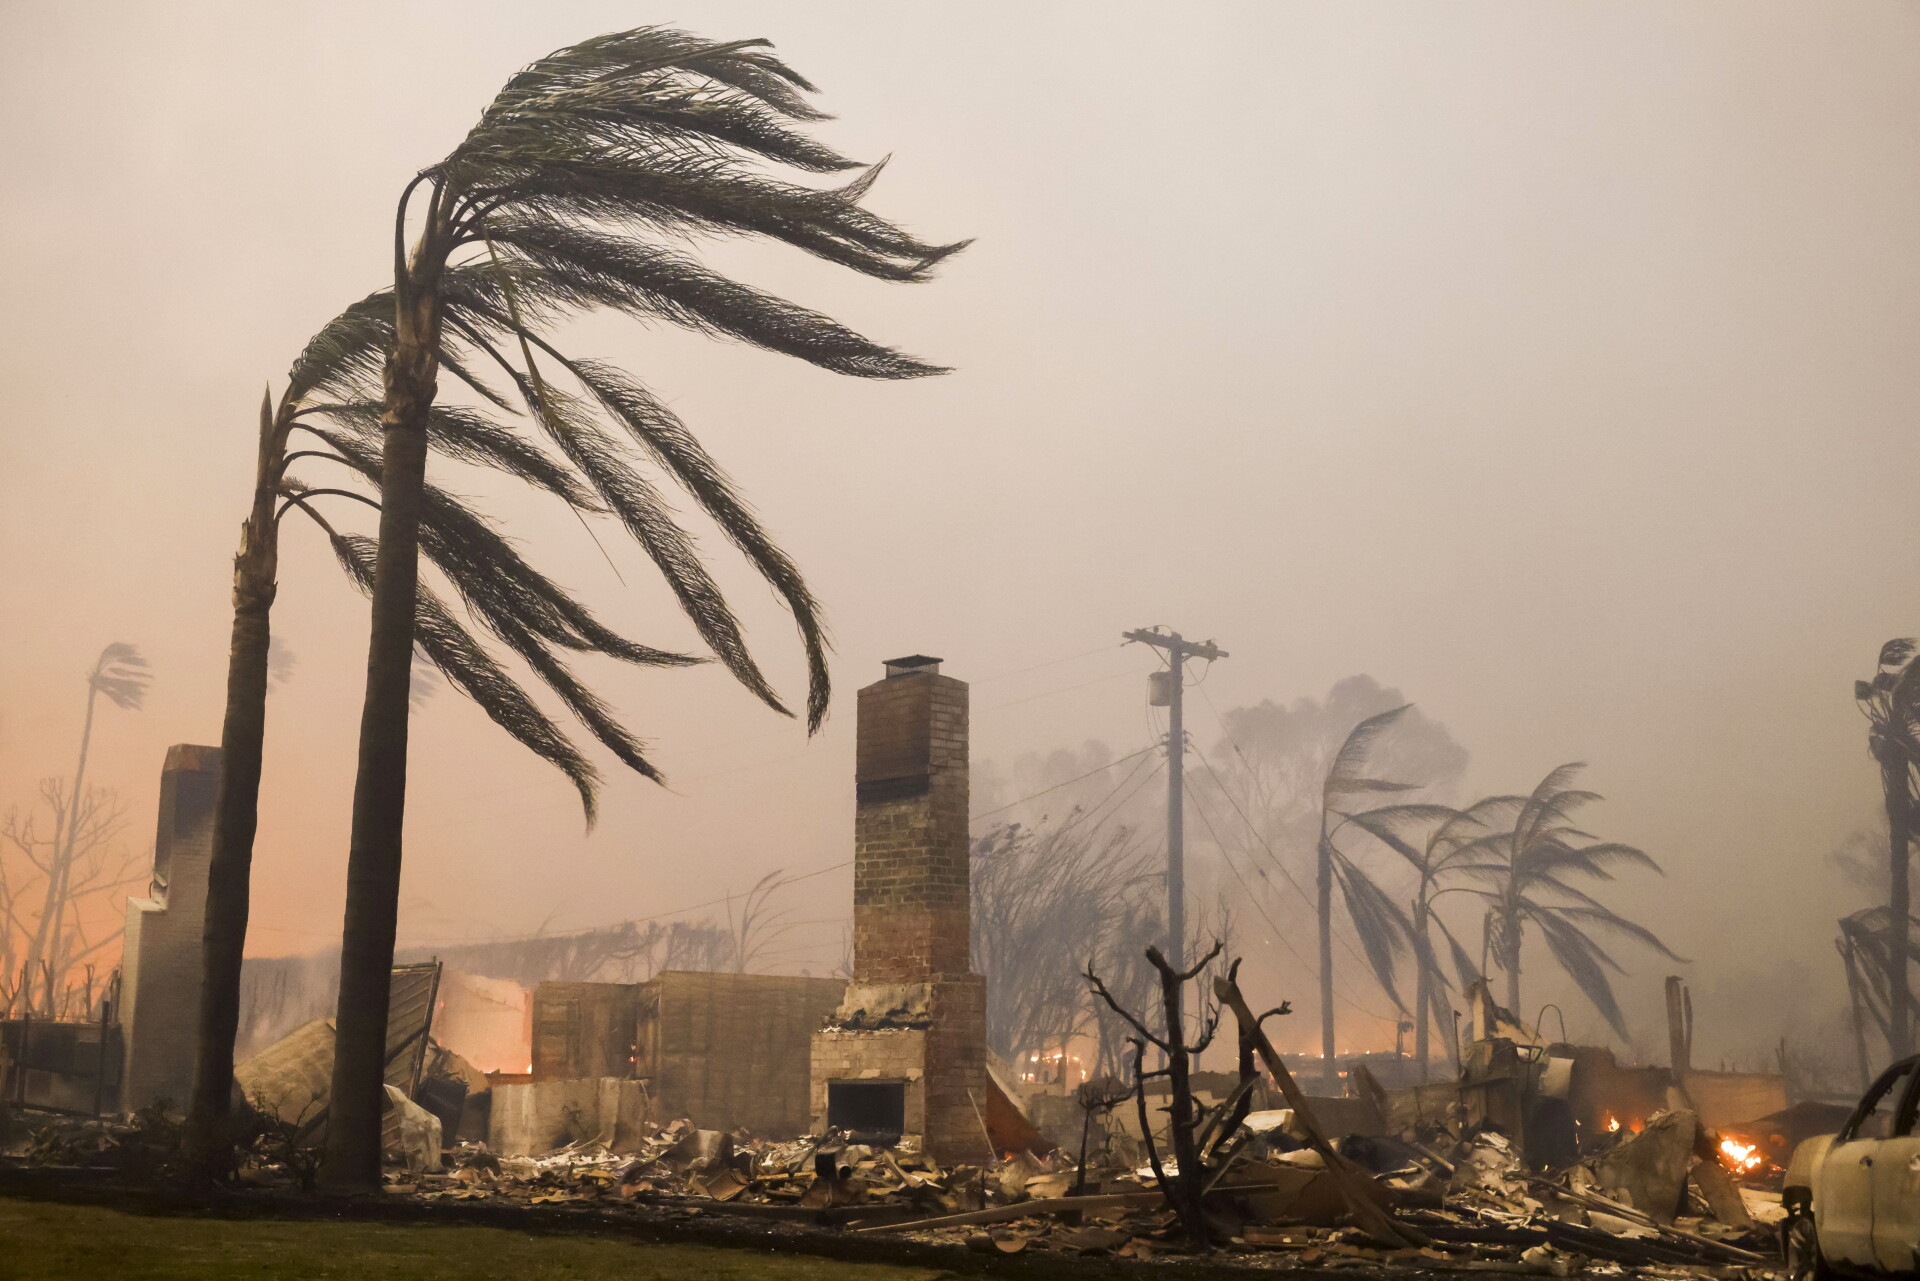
[[1612, 1123], [1741, 1158]]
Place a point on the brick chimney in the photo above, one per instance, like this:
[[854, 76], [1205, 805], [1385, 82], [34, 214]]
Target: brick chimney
[[910, 905], [906, 1050]]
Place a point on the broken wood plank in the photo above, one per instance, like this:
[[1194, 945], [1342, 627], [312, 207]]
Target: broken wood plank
[[1347, 1177], [1594, 1201], [1053, 1205]]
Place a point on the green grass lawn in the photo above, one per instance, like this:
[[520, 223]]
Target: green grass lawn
[[42, 1240]]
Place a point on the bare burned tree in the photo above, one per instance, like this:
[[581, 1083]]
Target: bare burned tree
[[1047, 897], [1891, 704], [1096, 1097], [56, 883], [1188, 1183]]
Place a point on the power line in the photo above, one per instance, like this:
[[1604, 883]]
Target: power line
[[1148, 777], [1207, 821], [1051, 662], [1069, 783], [1271, 856]]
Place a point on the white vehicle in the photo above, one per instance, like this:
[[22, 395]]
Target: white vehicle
[[1854, 1197]]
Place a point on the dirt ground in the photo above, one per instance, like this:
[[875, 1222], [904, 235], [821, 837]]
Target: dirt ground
[[41, 1241]]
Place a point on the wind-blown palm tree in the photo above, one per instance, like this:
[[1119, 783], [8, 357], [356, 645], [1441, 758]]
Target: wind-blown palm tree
[[1891, 704], [1453, 839], [1528, 872], [120, 673], [328, 396], [1379, 922], [559, 199]]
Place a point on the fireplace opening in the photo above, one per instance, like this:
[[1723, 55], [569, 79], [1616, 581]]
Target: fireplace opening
[[873, 1111]]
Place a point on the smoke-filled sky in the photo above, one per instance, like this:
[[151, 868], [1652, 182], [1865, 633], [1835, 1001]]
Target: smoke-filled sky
[[1550, 363]]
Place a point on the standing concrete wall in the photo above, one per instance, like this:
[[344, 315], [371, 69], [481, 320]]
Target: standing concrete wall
[[161, 967], [730, 1051], [583, 1030]]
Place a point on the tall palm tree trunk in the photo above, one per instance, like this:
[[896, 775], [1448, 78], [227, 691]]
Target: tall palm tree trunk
[[380, 786], [1511, 961], [1329, 1072], [1893, 773], [237, 810], [1423, 983]]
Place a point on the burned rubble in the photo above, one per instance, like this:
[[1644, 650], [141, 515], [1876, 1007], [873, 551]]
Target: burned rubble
[[872, 1108]]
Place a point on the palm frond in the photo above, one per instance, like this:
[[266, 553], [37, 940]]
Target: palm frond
[[496, 582], [698, 195], [638, 278], [1349, 764], [743, 65], [675, 448], [121, 674], [1386, 822], [1551, 799], [1597, 861], [1462, 962], [471, 437], [640, 507], [469, 668], [1607, 919], [346, 356], [1382, 926], [636, 108], [1586, 964]]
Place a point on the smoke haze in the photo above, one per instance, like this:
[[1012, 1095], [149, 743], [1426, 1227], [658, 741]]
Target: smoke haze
[[1550, 364]]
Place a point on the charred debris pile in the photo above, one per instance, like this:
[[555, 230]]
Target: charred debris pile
[[1238, 1163], [1174, 1163]]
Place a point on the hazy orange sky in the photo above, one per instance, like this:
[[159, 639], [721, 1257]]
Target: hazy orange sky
[[1552, 363]]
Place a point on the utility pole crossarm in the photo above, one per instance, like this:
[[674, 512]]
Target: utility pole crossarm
[[1172, 641]]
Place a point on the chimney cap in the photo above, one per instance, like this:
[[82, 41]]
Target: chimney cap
[[911, 665]]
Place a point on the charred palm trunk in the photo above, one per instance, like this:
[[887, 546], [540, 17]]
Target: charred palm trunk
[[1423, 983], [1324, 905], [1893, 778], [380, 786], [236, 815], [1510, 960]]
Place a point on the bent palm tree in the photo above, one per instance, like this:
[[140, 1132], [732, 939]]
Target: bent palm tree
[[1891, 704], [1529, 872], [1383, 928], [552, 198], [327, 396]]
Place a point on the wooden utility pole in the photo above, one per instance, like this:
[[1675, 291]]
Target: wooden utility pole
[[1178, 651]]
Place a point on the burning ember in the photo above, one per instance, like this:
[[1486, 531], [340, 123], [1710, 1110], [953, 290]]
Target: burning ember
[[1741, 1158]]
